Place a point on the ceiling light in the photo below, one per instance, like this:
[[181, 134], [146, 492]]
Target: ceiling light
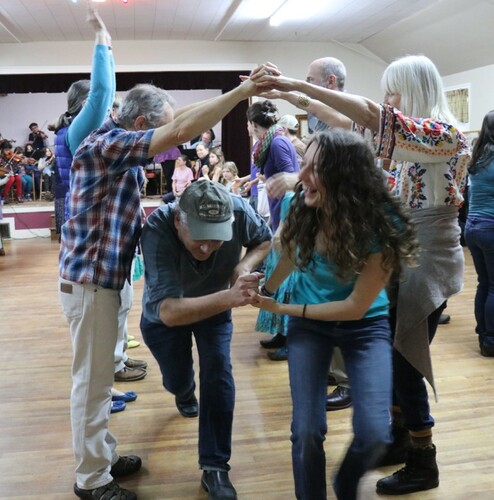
[[291, 11], [258, 9]]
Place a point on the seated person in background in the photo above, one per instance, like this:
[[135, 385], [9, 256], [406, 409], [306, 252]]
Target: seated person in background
[[31, 157], [229, 174], [202, 160], [206, 138], [181, 178], [11, 171], [37, 138], [20, 166], [46, 165], [216, 161]]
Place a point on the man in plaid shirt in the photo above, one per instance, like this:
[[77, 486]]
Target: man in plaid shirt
[[97, 246]]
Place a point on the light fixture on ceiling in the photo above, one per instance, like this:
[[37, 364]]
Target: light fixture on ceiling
[[257, 9], [290, 11]]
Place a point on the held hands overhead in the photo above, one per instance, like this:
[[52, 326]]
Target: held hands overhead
[[253, 81], [269, 81]]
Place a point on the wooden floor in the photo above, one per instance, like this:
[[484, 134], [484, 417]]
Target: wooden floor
[[36, 460]]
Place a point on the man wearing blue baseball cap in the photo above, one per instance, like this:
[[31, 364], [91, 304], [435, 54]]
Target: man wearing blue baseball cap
[[195, 274]]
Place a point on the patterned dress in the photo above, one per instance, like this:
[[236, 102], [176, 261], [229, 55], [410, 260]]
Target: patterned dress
[[268, 322]]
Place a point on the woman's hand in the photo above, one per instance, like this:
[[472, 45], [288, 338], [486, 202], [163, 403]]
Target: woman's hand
[[278, 83], [265, 303], [249, 83]]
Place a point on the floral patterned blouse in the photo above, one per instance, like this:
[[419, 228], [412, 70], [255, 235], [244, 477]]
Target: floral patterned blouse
[[429, 159]]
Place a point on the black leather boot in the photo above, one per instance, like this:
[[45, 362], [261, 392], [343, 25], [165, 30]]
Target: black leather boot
[[420, 473], [397, 451]]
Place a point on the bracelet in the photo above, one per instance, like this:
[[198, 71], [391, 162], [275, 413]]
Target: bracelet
[[303, 311], [303, 100], [265, 292]]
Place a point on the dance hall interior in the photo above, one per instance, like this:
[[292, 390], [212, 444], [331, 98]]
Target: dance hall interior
[[199, 50]]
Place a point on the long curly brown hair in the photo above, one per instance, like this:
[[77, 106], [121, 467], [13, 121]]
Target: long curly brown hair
[[357, 212]]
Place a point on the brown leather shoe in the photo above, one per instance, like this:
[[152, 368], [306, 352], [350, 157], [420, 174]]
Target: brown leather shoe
[[136, 363], [130, 374]]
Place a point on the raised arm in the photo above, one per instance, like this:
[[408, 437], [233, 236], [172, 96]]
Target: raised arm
[[102, 89], [358, 109], [316, 108], [194, 119]]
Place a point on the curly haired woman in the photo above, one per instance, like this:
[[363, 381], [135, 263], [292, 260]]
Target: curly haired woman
[[345, 234]]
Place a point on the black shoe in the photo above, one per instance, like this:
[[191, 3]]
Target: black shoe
[[278, 340], [125, 466], [339, 399], [397, 451], [188, 408], [110, 491], [486, 350], [280, 354], [420, 473], [218, 485], [444, 319]]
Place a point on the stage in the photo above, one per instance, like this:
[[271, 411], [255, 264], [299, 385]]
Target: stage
[[36, 218]]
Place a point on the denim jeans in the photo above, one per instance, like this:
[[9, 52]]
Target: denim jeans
[[366, 349], [479, 235], [409, 389], [172, 348]]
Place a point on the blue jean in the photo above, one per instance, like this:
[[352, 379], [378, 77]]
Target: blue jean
[[409, 389], [366, 349], [172, 348], [479, 235]]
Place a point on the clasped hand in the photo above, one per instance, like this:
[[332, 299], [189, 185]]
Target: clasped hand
[[244, 287]]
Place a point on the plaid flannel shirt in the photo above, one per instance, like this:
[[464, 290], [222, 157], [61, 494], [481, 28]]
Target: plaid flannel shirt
[[99, 239]]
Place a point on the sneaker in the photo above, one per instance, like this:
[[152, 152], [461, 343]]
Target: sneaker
[[110, 491]]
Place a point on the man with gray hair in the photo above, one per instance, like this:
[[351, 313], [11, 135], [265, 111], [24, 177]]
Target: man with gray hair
[[98, 244], [196, 272]]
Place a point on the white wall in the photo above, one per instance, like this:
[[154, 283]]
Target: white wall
[[481, 82], [364, 70]]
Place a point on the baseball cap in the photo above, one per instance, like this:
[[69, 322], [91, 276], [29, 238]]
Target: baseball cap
[[209, 210], [288, 121]]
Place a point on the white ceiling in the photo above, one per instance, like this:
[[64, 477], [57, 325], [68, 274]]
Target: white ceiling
[[456, 34]]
